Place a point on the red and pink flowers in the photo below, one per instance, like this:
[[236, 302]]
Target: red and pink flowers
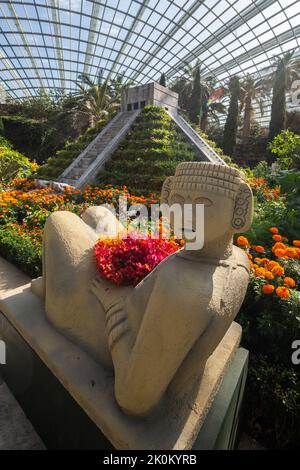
[[127, 261]]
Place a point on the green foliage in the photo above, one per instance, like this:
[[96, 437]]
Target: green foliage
[[273, 403], [162, 80], [271, 324], [5, 143], [231, 125], [27, 135], [262, 170], [1, 127], [150, 152], [286, 146], [64, 157], [196, 98], [12, 165], [21, 250], [278, 109]]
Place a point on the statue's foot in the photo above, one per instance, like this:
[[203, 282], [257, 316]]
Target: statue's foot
[[37, 287]]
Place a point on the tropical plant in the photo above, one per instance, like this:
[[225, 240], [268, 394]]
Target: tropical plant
[[162, 80], [12, 165], [231, 125], [287, 69], [286, 146], [100, 97], [251, 90], [197, 98]]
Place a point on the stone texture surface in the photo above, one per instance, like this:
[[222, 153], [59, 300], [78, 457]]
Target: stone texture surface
[[163, 330], [175, 425], [149, 94], [16, 432]]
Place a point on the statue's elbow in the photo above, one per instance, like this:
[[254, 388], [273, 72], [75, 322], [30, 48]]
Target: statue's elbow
[[133, 402]]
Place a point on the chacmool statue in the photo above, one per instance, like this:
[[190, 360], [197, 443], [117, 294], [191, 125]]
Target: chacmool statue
[[185, 306]]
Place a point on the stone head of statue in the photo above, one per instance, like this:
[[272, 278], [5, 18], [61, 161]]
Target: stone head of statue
[[223, 191]]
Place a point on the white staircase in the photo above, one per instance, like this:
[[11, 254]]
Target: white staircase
[[86, 166], [206, 153]]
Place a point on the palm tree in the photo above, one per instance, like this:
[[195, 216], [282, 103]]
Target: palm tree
[[287, 70], [252, 89], [231, 125], [98, 98], [212, 108], [194, 91]]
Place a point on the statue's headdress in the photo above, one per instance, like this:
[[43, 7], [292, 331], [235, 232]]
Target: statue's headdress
[[209, 177]]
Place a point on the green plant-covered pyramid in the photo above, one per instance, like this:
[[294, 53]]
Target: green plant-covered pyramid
[[150, 152]]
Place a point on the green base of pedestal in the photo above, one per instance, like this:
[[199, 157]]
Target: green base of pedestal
[[62, 423]]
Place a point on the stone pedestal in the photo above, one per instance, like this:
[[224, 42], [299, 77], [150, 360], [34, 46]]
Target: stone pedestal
[[69, 397]]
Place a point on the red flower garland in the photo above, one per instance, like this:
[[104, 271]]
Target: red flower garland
[[127, 261]]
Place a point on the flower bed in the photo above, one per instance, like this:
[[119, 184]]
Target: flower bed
[[24, 210], [270, 315]]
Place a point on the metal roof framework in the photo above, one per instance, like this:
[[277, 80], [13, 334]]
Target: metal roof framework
[[46, 44]]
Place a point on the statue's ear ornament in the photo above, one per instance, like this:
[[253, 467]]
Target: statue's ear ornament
[[166, 189], [243, 209]]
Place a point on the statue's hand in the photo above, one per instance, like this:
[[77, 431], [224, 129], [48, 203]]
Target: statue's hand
[[109, 294]]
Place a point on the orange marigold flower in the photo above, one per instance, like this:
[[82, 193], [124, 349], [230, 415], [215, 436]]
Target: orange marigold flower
[[278, 271], [249, 256], [268, 289], [265, 260], [278, 246], [274, 230], [243, 241], [258, 260], [284, 239], [269, 276], [259, 249], [283, 292], [271, 264], [291, 252], [259, 272], [289, 282], [296, 243], [277, 238], [280, 253]]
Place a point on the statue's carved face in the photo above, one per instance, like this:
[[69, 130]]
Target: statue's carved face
[[218, 210]]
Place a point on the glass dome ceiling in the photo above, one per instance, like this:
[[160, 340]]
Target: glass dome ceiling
[[45, 44]]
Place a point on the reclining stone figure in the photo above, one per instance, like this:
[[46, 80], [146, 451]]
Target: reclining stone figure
[[180, 311]]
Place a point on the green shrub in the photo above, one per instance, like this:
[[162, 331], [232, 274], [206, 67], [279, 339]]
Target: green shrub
[[29, 136], [272, 398], [21, 251], [286, 146], [12, 165], [5, 143]]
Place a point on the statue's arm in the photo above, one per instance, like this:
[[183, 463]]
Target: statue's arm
[[145, 365]]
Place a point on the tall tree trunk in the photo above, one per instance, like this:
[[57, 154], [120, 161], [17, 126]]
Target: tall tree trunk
[[278, 111], [230, 129], [196, 98], [247, 120], [204, 120]]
